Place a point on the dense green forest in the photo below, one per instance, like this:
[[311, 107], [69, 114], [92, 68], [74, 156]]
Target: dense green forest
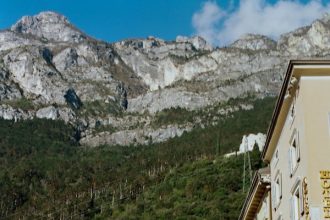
[[204, 189], [45, 174]]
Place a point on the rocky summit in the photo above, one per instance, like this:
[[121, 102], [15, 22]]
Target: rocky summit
[[112, 92]]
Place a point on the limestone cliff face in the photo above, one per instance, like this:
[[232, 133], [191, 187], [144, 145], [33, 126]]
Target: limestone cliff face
[[44, 57], [49, 26], [312, 40]]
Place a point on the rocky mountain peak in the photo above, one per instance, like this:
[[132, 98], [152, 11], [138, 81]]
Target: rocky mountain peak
[[326, 18], [311, 39], [254, 42], [198, 42], [49, 16], [141, 44], [49, 26]]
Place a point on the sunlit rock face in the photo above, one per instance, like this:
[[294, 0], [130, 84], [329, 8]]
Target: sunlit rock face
[[198, 42], [252, 140], [49, 112], [254, 42], [42, 57], [49, 26], [312, 40], [249, 142]]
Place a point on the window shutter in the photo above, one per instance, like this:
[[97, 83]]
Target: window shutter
[[291, 208], [273, 196], [290, 162], [280, 185], [298, 147]]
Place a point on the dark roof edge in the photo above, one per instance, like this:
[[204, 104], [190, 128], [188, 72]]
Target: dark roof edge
[[253, 187], [257, 179]]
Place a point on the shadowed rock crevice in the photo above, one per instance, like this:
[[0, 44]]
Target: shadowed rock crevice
[[72, 99]]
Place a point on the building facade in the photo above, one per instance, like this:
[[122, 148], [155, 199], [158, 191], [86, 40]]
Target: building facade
[[297, 148]]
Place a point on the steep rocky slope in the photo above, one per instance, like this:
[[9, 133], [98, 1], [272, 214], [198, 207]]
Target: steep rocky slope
[[112, 91]]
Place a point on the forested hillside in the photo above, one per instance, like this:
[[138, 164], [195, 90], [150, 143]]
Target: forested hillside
[[46, 174], [205, 189]]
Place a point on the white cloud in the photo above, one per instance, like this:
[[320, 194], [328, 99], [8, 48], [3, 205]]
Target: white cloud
[[254, 16], [206, 20]]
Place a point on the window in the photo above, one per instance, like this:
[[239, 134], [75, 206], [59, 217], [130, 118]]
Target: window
[[292, 112], [277, 190], [263, 212], [275, 159], [294, 153], [265, 205], [296, 202], [296, 205]]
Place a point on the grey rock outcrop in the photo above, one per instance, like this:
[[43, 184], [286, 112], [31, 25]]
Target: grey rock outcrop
[[255, 42], [136, 136], [198, 42], [9, 113], [65, 59], [49, 112], [312, 40], [49, 26], [8, 89]]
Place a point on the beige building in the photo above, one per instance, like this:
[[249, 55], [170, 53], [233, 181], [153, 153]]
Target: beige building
[[297, 150]]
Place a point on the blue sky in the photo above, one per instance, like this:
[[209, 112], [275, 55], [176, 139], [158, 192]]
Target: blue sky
[[219, 21], [113, 20]]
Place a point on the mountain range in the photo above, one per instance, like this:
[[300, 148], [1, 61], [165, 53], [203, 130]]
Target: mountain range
[[113, 92]]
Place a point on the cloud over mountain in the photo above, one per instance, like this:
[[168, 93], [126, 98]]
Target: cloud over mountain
[[221, 26]]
